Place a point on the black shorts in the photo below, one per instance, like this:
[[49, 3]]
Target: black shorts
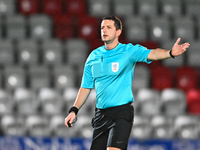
[[112, 127]]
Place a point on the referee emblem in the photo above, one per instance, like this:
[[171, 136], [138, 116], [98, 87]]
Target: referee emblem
[[115, 66]]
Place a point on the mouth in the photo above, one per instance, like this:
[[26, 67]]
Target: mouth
[[105, 36]]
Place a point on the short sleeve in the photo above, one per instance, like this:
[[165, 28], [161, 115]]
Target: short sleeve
[[139, 53], [87, 79]]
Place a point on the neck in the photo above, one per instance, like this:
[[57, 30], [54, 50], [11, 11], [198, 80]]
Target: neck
[[112, 45]]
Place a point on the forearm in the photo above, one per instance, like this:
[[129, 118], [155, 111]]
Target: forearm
[[81, 97], [159, 54]]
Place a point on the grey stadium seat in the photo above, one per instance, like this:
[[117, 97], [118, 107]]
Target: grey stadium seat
[[38, 125], [184, 28], [7, 7], [51, 101], [39, 76], [187, 127], [136, 29], [171, 8], [147, 8], [149, 101], [15, 27], [15, 76], [13, 125], [6, 102], [6, 52], [40, 27], [160, 29], [26, 101], [99, 8], [52, 52], [193, 54], [173, 102], [64, 76], [163, 127], [76, 51], [28, 52], [124, 8]]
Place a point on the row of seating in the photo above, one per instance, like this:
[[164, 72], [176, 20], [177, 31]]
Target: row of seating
[[51, 101], [137, 28], [158, 127], [99, 8], [62, 76]]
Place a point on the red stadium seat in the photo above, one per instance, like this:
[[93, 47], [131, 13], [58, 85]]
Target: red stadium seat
[[75, 7], [64, 27], [193, 101], [88, 28], [161, 78], [52, 7], [186, 78], [28, 7]]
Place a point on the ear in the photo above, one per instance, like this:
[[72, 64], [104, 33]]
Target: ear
[[119, 32]]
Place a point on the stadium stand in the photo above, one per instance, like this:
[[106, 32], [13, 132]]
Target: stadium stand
[[43, 48]]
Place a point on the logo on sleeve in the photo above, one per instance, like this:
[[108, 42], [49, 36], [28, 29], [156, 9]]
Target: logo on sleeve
[[115, 66]]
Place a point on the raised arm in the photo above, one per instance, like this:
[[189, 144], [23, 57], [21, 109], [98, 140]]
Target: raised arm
[[159, 54], [80, 100]]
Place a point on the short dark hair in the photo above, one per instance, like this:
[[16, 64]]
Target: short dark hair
[[117, 21]]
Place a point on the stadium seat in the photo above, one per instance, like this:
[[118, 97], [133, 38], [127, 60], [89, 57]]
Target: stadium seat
[[147, 8], [39, 76], [187, 127], [26, 101], [123, 8], [28, 52], [192, 54], [99, 8], [15, 27], [193, 101], [76, 49], [64, 77], [142, 128], [183, 27], [6, 52], [161, 77], [141, 77], [136, 30], [69, 96], [89, 106], [64, 26], [171, 8], [51, 101], [160, 29], [28, 7], [75, 7], [40, 26], [179, 61], [186, 78], [59, 129], [52, 7], [173, 102], [84, 125], [6, 102], [13, 125], [163, 127], [149, 101], [8, 7], [88, 28], [192, 8], [38, 125], [15, 76], [52, 52]]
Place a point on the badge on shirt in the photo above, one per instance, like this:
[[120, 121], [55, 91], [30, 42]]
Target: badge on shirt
[[115, 66]]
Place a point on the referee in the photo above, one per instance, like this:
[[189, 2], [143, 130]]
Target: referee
[[109, 69]]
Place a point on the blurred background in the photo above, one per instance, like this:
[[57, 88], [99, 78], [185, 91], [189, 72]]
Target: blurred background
[[43, 48]]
